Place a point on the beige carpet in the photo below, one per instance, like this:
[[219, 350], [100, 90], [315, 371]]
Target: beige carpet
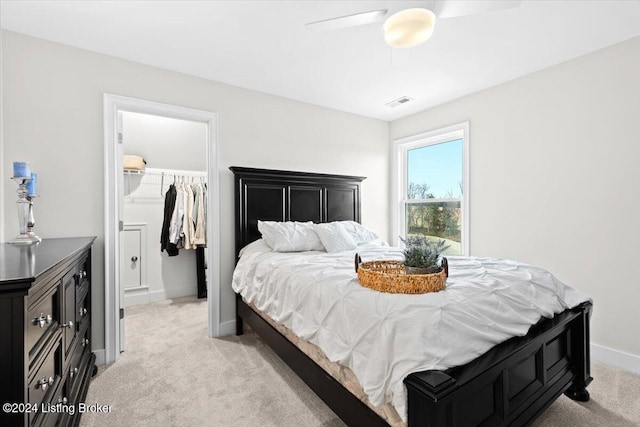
[[173, 375]]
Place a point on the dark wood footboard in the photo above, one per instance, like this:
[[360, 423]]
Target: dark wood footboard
[[511, 384]]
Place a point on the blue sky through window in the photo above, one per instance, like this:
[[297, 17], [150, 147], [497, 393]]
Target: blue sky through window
[[438, 165]]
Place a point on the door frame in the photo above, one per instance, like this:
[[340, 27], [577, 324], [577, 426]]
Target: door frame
[[112, 237]]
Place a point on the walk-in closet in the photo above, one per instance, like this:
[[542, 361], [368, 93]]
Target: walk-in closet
[[164, 208]]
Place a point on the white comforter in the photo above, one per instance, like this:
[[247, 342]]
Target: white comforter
[[383, 337]]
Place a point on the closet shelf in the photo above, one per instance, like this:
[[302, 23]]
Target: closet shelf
[[153, 183]]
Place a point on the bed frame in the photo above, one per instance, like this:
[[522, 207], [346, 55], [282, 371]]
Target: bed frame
[[511, 384]]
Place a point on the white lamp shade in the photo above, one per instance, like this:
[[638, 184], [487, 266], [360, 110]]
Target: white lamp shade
[[409, 27]]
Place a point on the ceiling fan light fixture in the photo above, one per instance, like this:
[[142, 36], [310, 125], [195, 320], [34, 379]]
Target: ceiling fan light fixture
[[409, 27]]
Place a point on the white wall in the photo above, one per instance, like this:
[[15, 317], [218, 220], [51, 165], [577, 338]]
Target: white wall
[[53, 119], [555, 178], [166, 144]]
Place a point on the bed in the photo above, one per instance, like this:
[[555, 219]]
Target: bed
[[511, 384]]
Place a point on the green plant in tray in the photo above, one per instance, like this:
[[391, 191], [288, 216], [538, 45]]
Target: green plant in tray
[[421, 255]]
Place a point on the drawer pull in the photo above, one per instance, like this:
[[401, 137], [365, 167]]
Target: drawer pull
[[85, 342], [63, 400], [82, 311], [69, 325], [82, 274], [44, 383], [73, 372], [42, 320]]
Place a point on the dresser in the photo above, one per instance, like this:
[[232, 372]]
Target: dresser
[[46, 362]]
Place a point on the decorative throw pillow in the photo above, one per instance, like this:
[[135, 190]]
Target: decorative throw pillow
[[290, 236], [334, 237], [359, 232]]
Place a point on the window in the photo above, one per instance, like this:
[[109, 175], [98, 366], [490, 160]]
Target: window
[[431, 186]]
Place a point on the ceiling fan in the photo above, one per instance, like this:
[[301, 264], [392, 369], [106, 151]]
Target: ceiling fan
[[412, 27]]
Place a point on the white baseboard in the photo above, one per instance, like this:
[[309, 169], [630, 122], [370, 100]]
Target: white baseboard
[[178, 292], [228, 328], [627, 361], [101, 356], [134, 296]]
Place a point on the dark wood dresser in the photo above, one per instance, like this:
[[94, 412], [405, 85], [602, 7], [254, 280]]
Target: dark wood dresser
[[46, 361]]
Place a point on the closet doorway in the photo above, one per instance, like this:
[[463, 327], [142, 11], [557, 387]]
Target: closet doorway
[[135, 270]]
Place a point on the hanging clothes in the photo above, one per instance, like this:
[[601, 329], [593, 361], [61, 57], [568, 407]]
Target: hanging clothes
[[188, 224], [169, 206], [200, 235], [175, 227], [201, 272], [184, 222], [204, 206], [184, 225]]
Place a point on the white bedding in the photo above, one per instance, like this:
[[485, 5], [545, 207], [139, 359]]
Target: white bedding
[[382, 337]]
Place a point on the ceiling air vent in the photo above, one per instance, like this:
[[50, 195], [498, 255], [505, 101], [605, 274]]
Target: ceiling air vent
[[399, 101]]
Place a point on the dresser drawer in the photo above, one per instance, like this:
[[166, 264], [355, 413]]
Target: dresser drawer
[[44, 382], [74, 374], [82, 308], [82, 289], [69, 317], [54, 415], [50, 419], [83, 274], [43, 318]]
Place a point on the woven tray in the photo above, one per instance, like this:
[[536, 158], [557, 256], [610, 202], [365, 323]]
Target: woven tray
[[392, 277]]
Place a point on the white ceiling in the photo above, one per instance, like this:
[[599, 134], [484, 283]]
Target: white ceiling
[[264, 45]]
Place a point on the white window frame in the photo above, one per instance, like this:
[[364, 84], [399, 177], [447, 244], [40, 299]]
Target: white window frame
[[399, 176]]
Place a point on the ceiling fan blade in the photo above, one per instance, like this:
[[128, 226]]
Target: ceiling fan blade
[[348, 20], [451, 9]]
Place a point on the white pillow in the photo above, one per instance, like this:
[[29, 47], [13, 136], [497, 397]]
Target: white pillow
[[334, 237], [359, 232], [256, 246], [290, 236]]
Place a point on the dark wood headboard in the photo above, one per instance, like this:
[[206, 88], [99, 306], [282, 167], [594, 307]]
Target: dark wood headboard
[[275, 195]]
